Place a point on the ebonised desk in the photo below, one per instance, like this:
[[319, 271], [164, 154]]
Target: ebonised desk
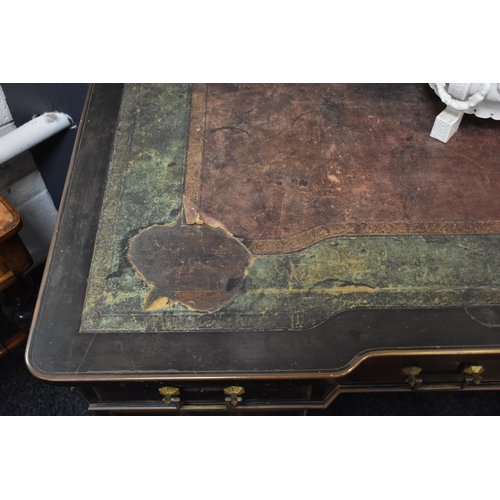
[[240, 248]]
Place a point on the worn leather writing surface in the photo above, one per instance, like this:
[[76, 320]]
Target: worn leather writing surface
[[344, 158], [275, 207]]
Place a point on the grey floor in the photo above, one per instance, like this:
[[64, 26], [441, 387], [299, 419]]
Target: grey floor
[[23, 394]]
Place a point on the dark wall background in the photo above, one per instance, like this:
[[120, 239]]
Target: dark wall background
[[52, 156]]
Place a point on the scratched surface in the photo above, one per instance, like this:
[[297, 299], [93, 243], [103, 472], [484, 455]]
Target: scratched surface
[[276, 207]]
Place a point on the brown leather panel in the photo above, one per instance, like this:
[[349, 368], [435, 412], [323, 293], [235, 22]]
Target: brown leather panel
[[280, 161]]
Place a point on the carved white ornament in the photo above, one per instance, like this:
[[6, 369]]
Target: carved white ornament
[[480, 99]]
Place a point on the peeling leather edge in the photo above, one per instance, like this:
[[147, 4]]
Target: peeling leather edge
[[194, 215]]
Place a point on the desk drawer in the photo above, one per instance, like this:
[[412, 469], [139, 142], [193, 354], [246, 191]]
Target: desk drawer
[[202, 396], [434, 372], [392, 372]]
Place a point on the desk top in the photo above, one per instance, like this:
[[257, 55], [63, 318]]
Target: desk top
[[214, 230]]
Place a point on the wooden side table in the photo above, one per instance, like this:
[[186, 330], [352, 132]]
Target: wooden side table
[[15, 260]]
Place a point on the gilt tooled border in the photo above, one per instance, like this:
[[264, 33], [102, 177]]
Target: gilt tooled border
[[194, 158]]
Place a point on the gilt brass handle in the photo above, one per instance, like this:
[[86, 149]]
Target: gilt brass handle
[[169, 393], [472, 374], [411, 372], [233, 394]]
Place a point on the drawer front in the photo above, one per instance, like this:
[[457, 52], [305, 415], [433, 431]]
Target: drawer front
[[396, 371], [211, 396], [428, 372]]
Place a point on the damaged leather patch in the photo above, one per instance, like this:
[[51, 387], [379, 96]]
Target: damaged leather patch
[[199, 266]]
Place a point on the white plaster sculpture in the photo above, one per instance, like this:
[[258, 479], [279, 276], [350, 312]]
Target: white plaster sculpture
[[480, 99]]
